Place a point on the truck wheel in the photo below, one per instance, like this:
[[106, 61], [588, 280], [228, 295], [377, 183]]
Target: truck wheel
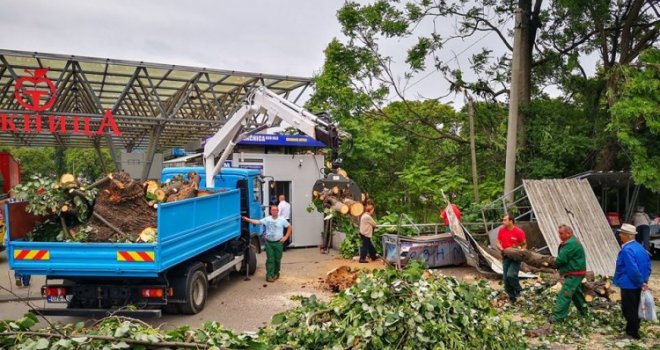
[[251, 258], [196, 291]]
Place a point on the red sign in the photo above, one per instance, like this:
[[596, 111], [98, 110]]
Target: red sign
[[40, 86], [29, 92]]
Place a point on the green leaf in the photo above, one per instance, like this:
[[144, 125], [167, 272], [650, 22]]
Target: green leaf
[[120, 345], [278, 318], [42, 343], [122, 329]]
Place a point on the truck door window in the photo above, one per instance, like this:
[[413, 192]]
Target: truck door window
[[257, 190]]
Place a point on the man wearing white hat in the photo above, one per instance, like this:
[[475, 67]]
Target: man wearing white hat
[[633, 268]]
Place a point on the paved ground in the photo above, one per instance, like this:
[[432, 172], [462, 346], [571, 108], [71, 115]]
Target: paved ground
[[237, 304]]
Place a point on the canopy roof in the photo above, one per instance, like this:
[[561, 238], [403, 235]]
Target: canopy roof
[[156, 106]]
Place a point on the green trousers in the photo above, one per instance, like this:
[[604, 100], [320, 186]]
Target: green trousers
[[273, 258], [571, 291]]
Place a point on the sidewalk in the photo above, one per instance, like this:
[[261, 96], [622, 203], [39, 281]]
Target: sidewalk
[[9, 290]]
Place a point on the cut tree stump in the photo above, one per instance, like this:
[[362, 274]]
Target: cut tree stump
[[121, 202]]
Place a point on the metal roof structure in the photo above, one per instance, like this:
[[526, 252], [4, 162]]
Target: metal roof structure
[[572, 202], [155, 106]]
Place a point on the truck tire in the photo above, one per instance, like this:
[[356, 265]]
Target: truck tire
[[251, 258], [196, 291]]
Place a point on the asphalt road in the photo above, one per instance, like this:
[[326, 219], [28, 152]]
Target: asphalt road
[[237, 304]]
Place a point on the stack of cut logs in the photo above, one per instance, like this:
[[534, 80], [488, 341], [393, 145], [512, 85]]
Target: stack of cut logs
[[123, 208], [335, 199], [174, 190]]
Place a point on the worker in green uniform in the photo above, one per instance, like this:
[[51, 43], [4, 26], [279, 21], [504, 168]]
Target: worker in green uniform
[[572, 265]]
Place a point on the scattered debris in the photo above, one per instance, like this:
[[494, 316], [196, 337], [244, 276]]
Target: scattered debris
[[341, 278]]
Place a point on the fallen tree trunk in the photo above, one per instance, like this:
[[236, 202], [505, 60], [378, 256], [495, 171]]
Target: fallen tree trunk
[[529, 257], [524, 267]]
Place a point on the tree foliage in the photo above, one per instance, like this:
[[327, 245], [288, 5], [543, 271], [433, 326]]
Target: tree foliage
[[51, 161], [636, 118], [421, 147]]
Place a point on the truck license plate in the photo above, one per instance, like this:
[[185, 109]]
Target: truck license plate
[[58, 298]]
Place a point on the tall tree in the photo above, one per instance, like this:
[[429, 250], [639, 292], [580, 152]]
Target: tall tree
[[60, 161], [637, 118], [564, 40]]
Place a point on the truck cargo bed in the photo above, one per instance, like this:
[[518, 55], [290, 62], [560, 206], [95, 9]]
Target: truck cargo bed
[[185, 229]]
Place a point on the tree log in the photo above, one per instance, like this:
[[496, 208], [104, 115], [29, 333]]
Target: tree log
[[100, 182], [355, 208], [150, 186], [324, 194], [523, 267], [68, 180], [336, 205], [160, 194], [531, 258], [189, 190]]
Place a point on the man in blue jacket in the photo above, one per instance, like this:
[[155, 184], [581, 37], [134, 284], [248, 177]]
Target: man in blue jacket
[[633, 268]]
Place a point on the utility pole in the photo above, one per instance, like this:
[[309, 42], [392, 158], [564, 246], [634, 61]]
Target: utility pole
[[473, 151], [514, 106]]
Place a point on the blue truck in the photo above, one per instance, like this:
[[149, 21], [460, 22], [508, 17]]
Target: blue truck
[[200, 241]]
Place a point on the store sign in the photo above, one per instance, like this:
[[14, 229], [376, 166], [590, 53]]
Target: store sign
[[30, 92], [280, 140]]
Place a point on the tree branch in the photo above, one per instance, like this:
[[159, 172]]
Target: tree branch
[[487, 23], [111, 339]]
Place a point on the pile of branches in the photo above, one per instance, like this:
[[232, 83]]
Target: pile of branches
[[116, 208], [385, 309], [118, 333], [536, 303], [392, 309], [65, 204]]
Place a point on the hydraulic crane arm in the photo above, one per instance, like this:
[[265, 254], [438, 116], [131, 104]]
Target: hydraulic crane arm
[[263, 110]]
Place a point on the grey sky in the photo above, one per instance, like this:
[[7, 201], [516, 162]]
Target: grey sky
[[280, 37]]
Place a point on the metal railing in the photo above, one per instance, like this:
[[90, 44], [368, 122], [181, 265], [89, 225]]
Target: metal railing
[[435, 228]]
